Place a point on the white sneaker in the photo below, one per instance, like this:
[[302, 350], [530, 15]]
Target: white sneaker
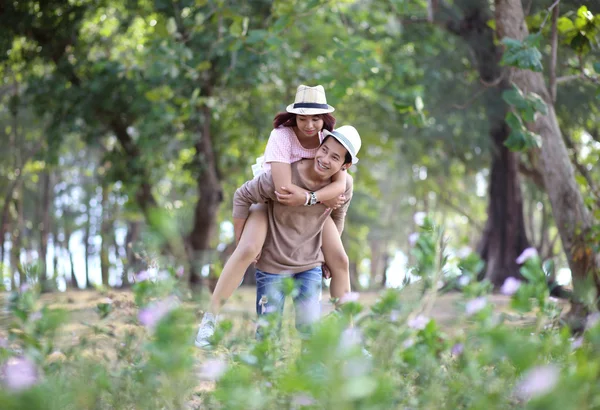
[[207, 329]]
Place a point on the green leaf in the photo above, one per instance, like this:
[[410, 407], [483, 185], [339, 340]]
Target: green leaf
[[492, 24], [565, 25], [538, 103], [524, 55], [514, 96]]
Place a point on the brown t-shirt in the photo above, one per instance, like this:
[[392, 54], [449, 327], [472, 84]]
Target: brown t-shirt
[[295, 233]]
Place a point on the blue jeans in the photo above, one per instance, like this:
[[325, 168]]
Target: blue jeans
[[270, 297]]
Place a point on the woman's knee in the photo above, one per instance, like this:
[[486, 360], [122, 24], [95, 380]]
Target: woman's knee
[[248, 249]]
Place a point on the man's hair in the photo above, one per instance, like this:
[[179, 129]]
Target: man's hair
[[348, 157], [288, 119]]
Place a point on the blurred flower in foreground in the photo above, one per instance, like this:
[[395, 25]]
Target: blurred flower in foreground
[[457, 349], [213, 369], [350, 297], [538, 381], [527, 254], [153, 313], [350, 338], [19, 373], [475, 305], [418, 322], [510, 286], [180, 271], [142, 276], [592, 320], [413, 238], [419, 218], [302, 399]]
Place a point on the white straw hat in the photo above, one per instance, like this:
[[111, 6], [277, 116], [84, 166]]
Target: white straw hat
[[310, 101], [348, 137]]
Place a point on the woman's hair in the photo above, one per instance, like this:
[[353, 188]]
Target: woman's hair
[[288, 119], [348, 158]]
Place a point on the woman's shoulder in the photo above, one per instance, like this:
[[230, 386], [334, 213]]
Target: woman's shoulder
[[282, 132]]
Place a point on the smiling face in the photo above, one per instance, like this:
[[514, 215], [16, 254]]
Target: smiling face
[[309, 125], [330, 158]]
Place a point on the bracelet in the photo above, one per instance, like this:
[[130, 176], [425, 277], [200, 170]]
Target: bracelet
[[307, 199]]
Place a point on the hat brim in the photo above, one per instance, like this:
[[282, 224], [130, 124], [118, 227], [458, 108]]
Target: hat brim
[[327, 133], [309, 111]]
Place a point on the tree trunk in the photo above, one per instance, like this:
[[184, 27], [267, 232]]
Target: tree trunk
[[105, 236], [211, 196], [45, 207], [70, 281], [133, 233], [354, 282], [17, 238], [86, 242], [504, 236], [572, 217]]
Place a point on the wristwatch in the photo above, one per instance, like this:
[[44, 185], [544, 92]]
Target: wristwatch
[[313, 199]]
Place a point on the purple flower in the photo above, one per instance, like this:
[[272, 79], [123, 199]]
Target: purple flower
[[408, 343], [527, 254], [419, 218], [510, 286], [592, 320], [464, 280], [180, 271], [142, 276], [350, 338], [464, 252], [153, 313], [213, 369], [418, 322], [394, 315], [475, 305], [350, 297], [19, 373], [35, 316], [302, 399], [24, 287], [538, 381], [4, 342], [457, 349], [576, 343], [413, 238]]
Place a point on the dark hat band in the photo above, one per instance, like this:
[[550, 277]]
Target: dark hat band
[[311, 105]]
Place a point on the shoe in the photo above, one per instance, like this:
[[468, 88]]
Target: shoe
[[206, 331]]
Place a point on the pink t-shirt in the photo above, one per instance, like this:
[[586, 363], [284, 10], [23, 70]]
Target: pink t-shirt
[[283, 146]]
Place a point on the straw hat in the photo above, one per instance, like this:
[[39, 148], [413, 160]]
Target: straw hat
[[310, 101]]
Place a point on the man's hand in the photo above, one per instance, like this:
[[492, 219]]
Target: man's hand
[[286, 196], [335, 203]]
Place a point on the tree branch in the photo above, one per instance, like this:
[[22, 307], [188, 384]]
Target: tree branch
[[533, 174], [457, 208], [554, 53], [582, 169]]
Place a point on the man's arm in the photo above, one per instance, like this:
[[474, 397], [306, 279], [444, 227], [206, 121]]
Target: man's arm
[[339, 215]]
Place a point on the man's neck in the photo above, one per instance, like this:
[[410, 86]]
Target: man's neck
[[307, 171]]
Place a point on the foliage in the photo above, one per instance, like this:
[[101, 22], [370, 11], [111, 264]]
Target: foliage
[[387, 356]]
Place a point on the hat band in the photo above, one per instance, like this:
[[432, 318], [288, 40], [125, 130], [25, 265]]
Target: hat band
[[311, 105], [346, 142]]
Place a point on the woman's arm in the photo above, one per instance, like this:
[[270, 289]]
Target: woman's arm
[[287, 193], [333, 190]]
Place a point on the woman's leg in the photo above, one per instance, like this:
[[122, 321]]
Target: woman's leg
[[250, 245], [336, 260]]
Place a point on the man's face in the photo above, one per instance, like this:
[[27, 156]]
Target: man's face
[[329, 158]]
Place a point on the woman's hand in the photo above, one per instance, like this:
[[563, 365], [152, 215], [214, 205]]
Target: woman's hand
[[285, 196], [335, 203]]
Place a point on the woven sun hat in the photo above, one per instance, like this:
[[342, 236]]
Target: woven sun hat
[[310, 101], [348, 137]]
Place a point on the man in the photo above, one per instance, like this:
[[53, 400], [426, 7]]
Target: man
[[292, 248]]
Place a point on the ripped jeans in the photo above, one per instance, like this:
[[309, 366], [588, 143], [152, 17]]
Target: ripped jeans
[[270, 298]]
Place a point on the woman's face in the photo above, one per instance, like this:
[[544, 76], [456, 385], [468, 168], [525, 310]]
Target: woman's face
[[309, 125]]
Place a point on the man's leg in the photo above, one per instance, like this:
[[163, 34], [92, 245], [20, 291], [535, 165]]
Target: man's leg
[[308, 300], [270, 300]]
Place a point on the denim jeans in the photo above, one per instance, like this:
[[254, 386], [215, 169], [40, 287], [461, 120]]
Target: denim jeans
[[270, 297]]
